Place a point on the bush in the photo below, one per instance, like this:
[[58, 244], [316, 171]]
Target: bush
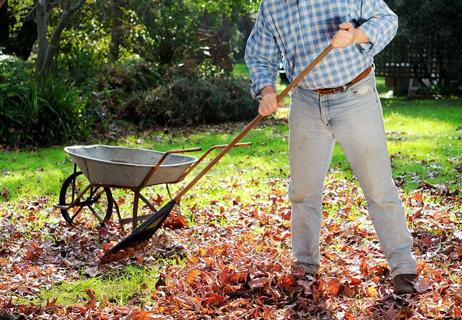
[[191, 101], [148, 95], [121, 84], [38, 112]]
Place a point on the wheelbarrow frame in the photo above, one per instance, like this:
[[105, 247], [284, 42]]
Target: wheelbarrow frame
[[106, 188]]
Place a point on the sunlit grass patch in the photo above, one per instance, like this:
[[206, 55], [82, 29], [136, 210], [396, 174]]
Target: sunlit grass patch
[[134, 283]]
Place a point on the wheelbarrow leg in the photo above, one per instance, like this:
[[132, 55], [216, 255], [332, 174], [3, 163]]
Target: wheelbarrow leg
[[135, 208]]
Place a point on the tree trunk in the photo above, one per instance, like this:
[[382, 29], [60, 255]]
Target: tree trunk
[[42, 41], [117, 30], [47, 49]]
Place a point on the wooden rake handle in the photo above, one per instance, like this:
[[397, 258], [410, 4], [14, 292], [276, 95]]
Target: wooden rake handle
[[254, 122]]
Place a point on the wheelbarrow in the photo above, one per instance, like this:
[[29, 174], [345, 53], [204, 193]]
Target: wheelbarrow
[[102, 168]]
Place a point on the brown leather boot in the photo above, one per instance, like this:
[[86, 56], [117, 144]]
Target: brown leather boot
[[404, 283]]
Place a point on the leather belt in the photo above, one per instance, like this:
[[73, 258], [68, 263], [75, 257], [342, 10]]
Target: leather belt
[[360, 77]]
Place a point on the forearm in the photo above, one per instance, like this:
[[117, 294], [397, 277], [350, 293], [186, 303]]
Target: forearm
[[262, 73], [380, 25], [360, 36], [267, 90]]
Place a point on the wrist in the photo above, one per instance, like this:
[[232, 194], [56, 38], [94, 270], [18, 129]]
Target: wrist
[[355, 36], [268, 90], [359, 36]]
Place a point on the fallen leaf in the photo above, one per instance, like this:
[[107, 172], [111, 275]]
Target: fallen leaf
[[287, 281], [458, 295], [175, 221], [422, 286], [5, 193], [364, 267], [214, 299], [371, 292], [333, 287], [426, 242], [258, 283], [193, 276], [51, 304], [91, 303]]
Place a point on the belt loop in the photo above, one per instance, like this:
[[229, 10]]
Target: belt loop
[[344, 88]]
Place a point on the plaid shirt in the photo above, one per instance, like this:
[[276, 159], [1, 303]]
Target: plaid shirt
[[296, 31]]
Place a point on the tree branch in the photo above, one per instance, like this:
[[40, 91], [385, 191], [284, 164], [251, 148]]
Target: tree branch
[[76, 6], [52, 46], [66, 4]]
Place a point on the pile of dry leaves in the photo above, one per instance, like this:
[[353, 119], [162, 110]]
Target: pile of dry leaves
[[235, 261]]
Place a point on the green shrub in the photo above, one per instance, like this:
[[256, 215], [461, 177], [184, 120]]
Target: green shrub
[[191, 101], [129, 76], [38, 112], [148, 95], [120, 82]]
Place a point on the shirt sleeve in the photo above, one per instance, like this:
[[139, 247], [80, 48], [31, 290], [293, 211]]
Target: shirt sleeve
[[262, 55], [379, 24]]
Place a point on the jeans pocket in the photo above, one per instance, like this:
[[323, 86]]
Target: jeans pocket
[[361, 89]]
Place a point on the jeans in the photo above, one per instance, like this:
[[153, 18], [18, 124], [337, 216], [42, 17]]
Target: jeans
[[354, 119]]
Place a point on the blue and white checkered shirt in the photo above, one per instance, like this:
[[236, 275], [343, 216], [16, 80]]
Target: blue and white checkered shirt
[[296, 31]]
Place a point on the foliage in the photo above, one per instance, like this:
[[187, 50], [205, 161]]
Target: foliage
[[172, 29], [227, 7], [38, 111], [20, 30], [430, 34], [191, 101]]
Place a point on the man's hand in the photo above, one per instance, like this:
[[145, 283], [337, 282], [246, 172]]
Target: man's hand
[[348, 35], [268, 102]]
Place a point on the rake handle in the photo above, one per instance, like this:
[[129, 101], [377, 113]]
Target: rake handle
[[253, 123]]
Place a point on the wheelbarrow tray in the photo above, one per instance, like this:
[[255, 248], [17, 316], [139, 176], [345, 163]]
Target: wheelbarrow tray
[[127, 167]]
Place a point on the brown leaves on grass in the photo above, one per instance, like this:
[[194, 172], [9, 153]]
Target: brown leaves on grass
[[5, 193], [175, 220], [122, 254], [243, 269]]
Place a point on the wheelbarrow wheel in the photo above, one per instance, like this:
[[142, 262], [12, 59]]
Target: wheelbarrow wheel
[[96, 201]]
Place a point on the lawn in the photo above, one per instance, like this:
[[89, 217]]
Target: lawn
[[240, 206], [424, 139]]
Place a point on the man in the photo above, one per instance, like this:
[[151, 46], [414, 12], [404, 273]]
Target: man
[[338, 101]]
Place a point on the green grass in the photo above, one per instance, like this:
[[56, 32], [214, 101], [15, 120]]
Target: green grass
[[423, 135], [427, 137], [134, 283]]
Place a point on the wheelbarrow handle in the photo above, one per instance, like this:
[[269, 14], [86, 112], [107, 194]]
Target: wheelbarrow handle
[[222, 146], [161, 160], [216, 147], [183, 150]]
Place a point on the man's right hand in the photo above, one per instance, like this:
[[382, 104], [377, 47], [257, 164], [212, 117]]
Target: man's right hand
[[268, 102]]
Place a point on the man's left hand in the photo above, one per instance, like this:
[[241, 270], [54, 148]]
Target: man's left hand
[[348, 35], [345, 37]]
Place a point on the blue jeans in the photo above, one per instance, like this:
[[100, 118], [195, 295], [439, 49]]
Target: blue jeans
[[354, 119]]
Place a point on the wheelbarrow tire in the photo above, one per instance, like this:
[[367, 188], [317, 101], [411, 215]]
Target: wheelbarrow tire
[[66, 191]]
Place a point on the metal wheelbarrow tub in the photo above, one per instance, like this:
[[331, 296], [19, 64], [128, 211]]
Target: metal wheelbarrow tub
[[128, 167]]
